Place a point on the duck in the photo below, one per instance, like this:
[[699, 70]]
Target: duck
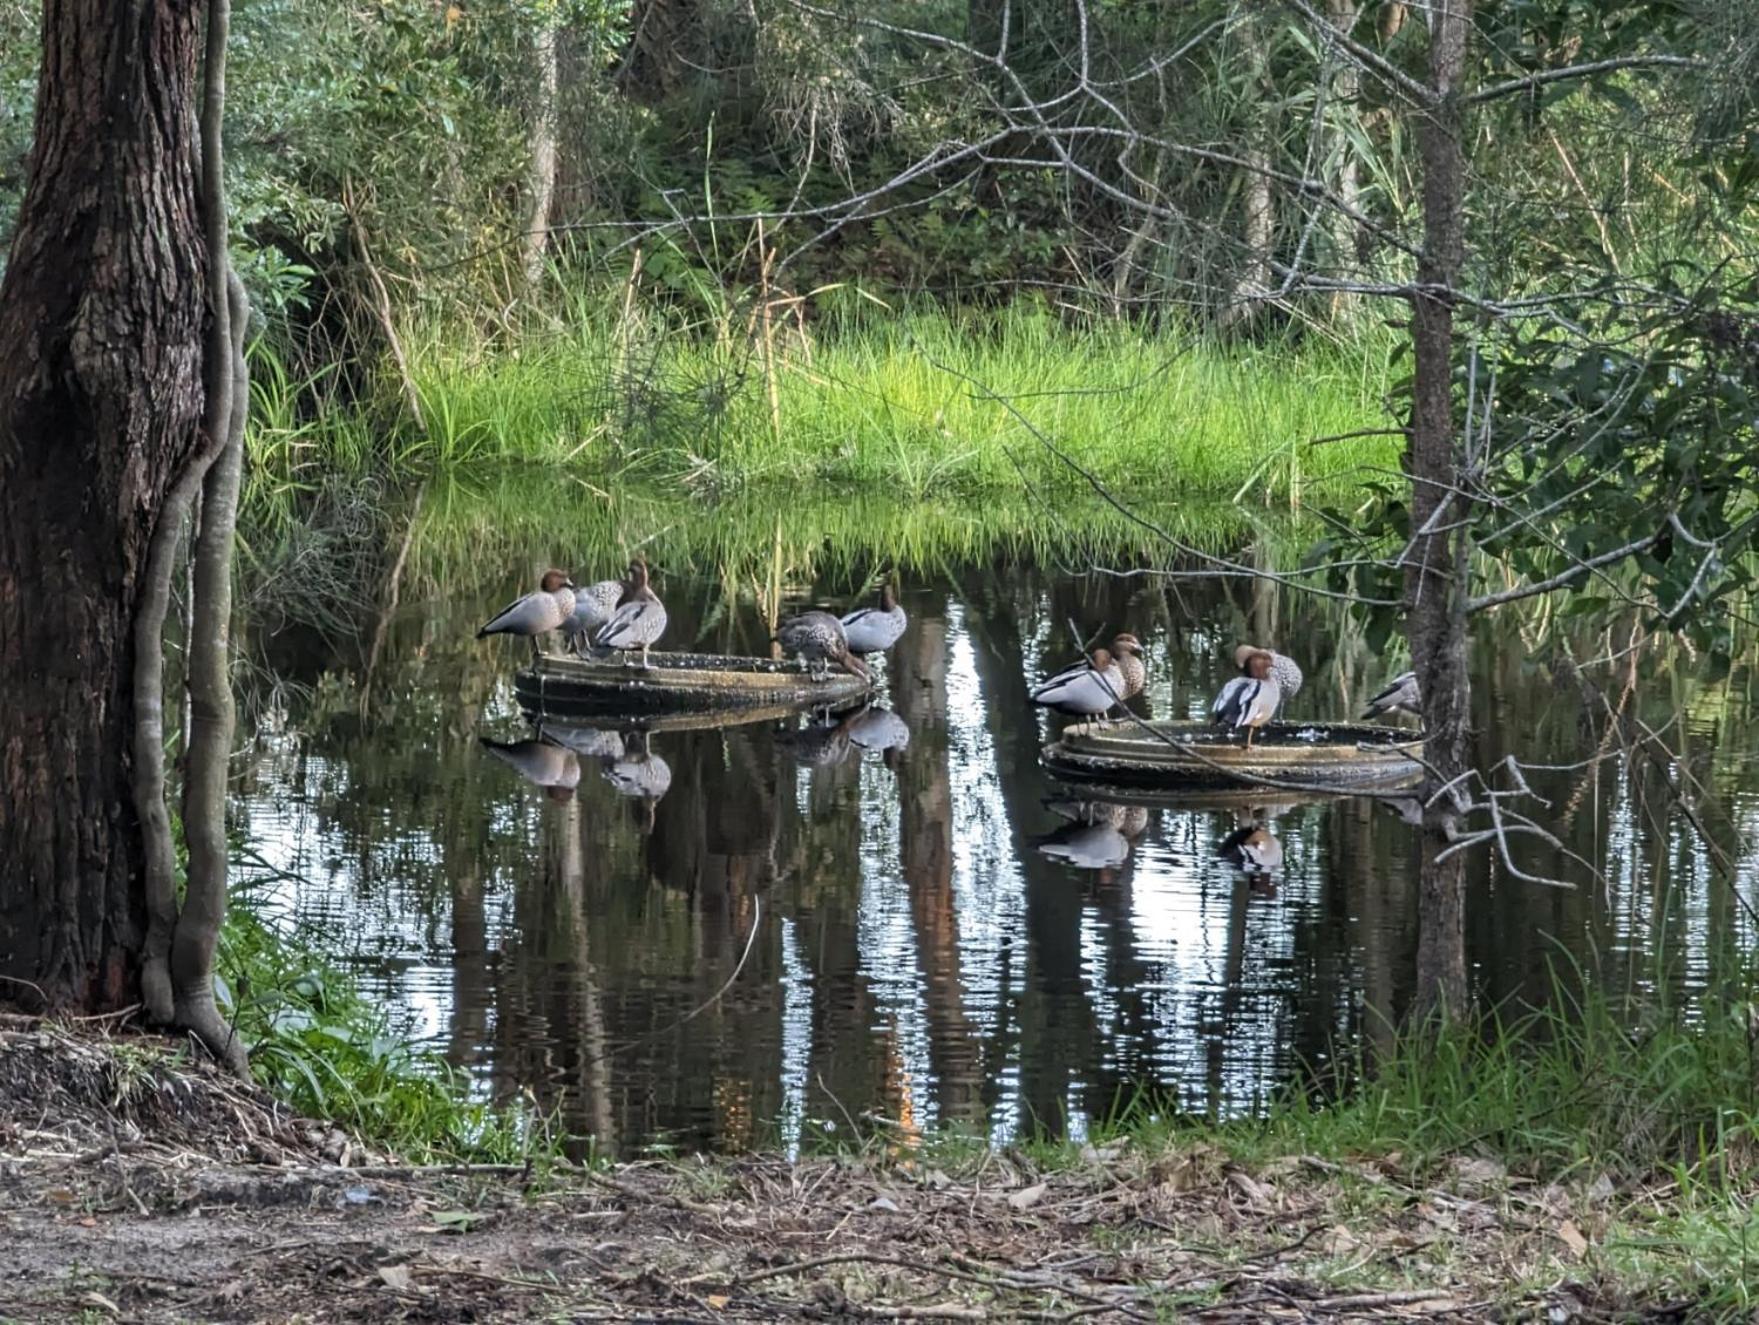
[[1285, 670], [547, 608], [1400, 695], [639, 619], [1089, 688], [593, 607], [639, 772], [817, 639], [1127, 649], [875, 629], [540, 763], [1253, 850], [1249, 701]]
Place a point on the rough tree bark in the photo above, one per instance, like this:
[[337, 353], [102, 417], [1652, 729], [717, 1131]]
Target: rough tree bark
[[115, 405], [1435, 572], [101, 396]]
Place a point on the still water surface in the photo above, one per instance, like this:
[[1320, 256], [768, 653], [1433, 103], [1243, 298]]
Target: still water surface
[[900, 932]]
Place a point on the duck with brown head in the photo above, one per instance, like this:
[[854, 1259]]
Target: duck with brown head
[[1249, 701], [1089, 689], [535, 614], [1127, 649], [640, 618], [1284, 670]]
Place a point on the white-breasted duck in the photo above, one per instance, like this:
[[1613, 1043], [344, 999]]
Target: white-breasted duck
[[1400, 696], [875, 629], [1248, 701], [593, 606], [817, 639], [640, 618], [1284, 670], [547, 608], [1088, 689]]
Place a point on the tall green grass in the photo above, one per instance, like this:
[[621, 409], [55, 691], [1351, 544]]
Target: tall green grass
[[919, 402]]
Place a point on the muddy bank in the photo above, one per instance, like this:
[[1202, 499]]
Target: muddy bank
[[137, 1186]]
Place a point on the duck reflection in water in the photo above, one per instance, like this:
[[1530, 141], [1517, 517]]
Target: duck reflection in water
[[878, 730], [540, 762], [1099, 835], [1255, 852], [823, 740]]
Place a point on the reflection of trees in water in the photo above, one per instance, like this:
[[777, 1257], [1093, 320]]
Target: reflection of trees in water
[[579, 939]]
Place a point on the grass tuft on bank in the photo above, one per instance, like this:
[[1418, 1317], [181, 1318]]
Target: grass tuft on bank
[[332, 1054]]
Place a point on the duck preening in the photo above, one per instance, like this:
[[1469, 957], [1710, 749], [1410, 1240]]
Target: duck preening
[[593, 607], [639, 618], [1248, 701], [1127, 649], [875, 629], [1090, 688], [1284, 670], [548, 608], [817, 639], [1400, 695]]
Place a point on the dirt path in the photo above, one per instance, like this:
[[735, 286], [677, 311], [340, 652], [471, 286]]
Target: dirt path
[[153, 1192]]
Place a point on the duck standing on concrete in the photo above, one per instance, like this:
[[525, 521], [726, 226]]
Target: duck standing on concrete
[[593, 606], [1400, 695], [1283, 669], [1248, 701], [639, 620], [817, 639], [538, 613], [1088, 689], [875, 629], [1127, 649]]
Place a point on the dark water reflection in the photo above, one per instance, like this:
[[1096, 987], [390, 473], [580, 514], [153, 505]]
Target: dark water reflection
[[913, 931]]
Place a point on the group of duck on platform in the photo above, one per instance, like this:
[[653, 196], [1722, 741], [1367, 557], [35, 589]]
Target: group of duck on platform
[[1100, 682], [623, 616]]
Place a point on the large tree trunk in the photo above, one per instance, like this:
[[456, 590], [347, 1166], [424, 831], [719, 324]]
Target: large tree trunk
[[101, 397], [1435, 588]]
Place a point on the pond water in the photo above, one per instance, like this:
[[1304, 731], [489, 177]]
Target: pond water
[[801, 934]]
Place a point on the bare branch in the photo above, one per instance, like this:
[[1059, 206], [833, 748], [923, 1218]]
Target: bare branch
[[1564, 578], [1532, 82]]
